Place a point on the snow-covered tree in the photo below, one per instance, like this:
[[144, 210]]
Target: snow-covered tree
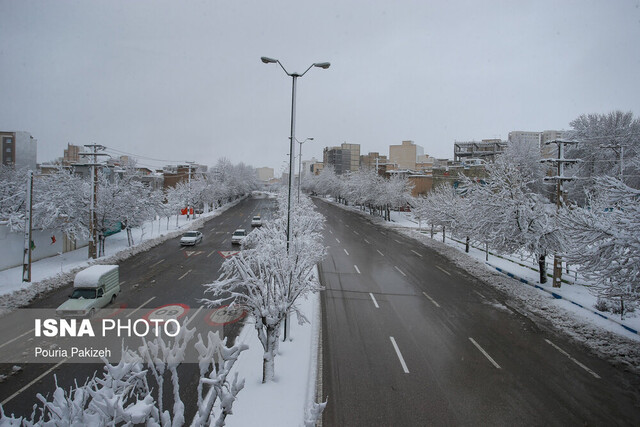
[[12, 196], [605, 140], [602, 239], [268, 279], [508, 210], [125, 394]]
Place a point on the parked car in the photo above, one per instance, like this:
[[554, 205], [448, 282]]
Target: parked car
[[191, 238], [256, 221], [93, 288], [238, 236]]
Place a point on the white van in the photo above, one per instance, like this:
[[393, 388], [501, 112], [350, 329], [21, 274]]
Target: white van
[[93, 288]]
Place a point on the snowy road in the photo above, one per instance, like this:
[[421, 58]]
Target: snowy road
[[166, 274], [409, 339]]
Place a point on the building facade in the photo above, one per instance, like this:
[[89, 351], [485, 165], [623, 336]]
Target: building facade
[[19, 149], [486, 149], [344, 159], [265, 174], [405, 155]]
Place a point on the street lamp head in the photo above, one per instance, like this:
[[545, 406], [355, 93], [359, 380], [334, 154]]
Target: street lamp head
[[268, 60], [323, 65]]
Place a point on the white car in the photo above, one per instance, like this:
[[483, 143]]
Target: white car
[[238, 236], [190, 238], [256, 221]]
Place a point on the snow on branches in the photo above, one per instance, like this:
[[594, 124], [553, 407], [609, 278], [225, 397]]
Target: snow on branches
[[132, 391], [267, 279]]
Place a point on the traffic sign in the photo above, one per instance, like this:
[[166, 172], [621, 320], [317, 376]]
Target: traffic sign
[[225, 315], [166, 312]]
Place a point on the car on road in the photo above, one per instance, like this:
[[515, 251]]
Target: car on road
[[190, 238], [93, 288], [256, 221], [238, 236]]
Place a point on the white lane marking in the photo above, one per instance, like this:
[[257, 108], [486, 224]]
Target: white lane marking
[[380, 252], [212, 230], [211, 253], [224, 240], [194, 315], [356, 232], [416, 253], [395, 346], [481, 296], [143, 304], [345, 251], [122, 283], [573, 359], [182, 277], [330, 231], [337, 240], [374, 300], [443, 270], [19, 336], [397, 241], [431, 299], [161, 261], [347, 225], [45, 373], [401, 272], [367, 241], [357, 269], [485, 353]]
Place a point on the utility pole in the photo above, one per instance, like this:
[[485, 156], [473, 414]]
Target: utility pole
[[560, 162], [189, 196], [93, 218], [615, 147], [26, 258]]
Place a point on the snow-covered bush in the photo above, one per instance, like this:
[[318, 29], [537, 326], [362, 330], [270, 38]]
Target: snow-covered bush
[[132, 391]]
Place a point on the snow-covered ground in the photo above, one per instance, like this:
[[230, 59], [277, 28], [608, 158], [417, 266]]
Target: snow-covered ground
[[605, 337], [55, 271], [284, 401]]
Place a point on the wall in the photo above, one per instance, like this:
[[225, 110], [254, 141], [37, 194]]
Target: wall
[[12, 246]]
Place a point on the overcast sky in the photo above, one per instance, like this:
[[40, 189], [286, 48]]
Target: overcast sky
[[184, 81]]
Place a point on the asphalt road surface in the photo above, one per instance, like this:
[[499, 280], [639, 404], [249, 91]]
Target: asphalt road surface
[[166, 274], [409, 339]]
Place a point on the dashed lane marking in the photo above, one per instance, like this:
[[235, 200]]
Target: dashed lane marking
[[401, 272], [357, 269], [573, 359], [443, 270], [431, 299], [420, 255], [402, 362], [379, 252], [182, 277], [345, 251], [374, 300], [485, 353]]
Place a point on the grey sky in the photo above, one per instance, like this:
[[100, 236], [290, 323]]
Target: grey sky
[[184, 81]]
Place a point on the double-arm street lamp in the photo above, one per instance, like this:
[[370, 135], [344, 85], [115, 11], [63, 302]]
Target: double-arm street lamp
[[292, 138], [300, 164]]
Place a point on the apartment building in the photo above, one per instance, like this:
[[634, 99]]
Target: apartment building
[[265, 174], [406, 155], [486, 149], [345, 158], [19, 149]]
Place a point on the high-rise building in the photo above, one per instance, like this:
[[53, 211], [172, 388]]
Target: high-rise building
[[371, 160], [405, 155], [19, 149], [345, 158], [538, 139], [71, 155]]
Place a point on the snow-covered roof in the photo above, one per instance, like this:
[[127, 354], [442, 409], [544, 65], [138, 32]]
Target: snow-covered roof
[[89, 277]]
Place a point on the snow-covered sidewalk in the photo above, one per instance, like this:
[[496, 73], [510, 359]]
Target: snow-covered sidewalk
[[604, 336], [55, 271]]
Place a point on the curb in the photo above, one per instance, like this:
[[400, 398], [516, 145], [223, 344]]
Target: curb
[[558, 296]]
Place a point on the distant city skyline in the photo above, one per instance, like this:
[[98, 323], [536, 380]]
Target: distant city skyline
[[184, 81]]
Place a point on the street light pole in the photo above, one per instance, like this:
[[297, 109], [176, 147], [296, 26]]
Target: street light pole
[[292, 138], [300, 164]]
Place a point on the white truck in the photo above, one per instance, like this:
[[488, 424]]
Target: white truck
[[93, 288]]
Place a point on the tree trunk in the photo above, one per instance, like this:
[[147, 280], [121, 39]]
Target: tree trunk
[[542, 265], [268, 359], [466, 246], [443, 233], [432, 231]]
